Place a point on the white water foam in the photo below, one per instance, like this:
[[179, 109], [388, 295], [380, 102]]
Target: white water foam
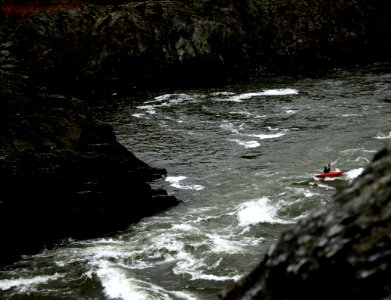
[[183, 295], [170, 97], [257, 211], [231, 127], [247, 144], [264, 136], [174, 99], [351, 115], [184, 227], [222, 245], [27, 284], [150, 109], [202, 276], [290, 111], [322, 185], [362, 159], [270, 92], [175, 181], [139, 116], [222, 94], [166, 100], [248, 114], [117, 285], [302, 191], [358, 150], [383, 136], [196, 267], [352, 174]]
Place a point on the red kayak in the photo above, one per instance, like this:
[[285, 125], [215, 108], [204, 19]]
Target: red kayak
[[330, 174]]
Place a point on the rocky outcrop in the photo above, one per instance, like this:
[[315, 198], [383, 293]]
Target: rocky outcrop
[[134, 45], [171, 43], [63, 174], [312, 35], [341, 251]]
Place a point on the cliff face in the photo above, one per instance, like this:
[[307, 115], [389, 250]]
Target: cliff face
[[63, 174], [341, 251], [168, 43], [314, 35]]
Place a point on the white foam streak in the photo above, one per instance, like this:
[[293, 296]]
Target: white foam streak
[[358, 150], [270, 92], [118, 286], [230, 127], [257, 211], [150, 109], [268, 135], [201, 276], [184, 227], [182, 295], [280, 92], [168, 97], [324, 186], [303, 191], [221, 245], [175, 181], [383, 136], [247, 144], [352, 174], [222, 94], [27, 284], [139, 116], [351, 115]]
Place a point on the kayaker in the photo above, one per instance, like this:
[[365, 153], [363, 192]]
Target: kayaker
[[327, 169]]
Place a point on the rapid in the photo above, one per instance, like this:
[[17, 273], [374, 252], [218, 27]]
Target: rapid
[[242, 160]]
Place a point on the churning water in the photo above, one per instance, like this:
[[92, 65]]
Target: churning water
[[242, 159]]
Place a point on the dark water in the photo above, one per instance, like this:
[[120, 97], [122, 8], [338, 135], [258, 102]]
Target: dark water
[[243, 159]]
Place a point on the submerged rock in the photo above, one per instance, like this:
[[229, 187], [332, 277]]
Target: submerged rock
[[341, 251]]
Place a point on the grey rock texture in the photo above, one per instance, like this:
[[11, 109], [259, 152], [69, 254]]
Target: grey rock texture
[[182, 43], [341, 251]]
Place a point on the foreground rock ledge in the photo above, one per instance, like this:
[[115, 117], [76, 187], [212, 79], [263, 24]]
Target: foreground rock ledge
[[63, 174], [342, 251]]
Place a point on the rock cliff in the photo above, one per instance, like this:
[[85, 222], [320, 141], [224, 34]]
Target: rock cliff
[[170, 43], [63, 174]]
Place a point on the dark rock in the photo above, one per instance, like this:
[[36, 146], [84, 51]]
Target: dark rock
[[341, 251], [63, 174], [170, 43]]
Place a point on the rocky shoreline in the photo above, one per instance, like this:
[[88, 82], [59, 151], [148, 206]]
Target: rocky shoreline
[[62, 173]]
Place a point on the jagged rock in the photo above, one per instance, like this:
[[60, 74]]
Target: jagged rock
[[172, 43], [63, 174], [341, 251]]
